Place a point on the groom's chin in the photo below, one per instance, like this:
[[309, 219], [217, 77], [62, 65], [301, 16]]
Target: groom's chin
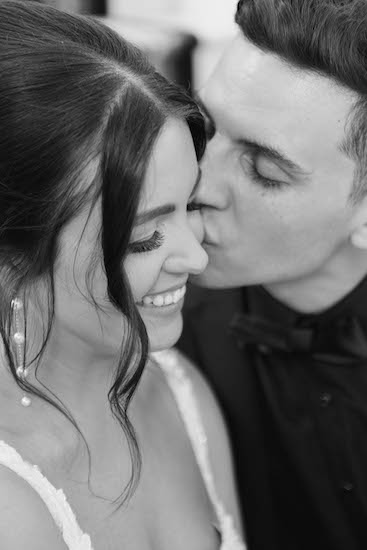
[[218, 277], [197, 280], [207, 280]]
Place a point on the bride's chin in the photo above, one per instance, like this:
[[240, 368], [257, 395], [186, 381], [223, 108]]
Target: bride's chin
[[164, 337]]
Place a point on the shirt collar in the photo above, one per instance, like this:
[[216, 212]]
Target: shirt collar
[[260, 302], [338, 335]]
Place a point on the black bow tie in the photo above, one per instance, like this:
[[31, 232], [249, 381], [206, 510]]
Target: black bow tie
[[341, 341]]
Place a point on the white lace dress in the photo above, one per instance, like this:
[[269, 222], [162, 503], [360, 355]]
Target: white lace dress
[[55, 499]]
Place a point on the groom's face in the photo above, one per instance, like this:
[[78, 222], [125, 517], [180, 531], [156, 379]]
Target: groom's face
[[276, 183]]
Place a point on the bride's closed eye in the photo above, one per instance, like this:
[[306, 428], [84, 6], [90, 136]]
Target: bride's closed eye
[[154, 242], [157, 239]]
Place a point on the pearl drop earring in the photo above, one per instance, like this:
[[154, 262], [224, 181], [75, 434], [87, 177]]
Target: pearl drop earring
[[19, 340]]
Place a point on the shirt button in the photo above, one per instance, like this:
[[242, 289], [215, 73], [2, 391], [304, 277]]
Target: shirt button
[[347, 486], [325, 399]]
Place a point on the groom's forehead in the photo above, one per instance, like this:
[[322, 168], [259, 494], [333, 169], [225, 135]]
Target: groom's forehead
[[299, 115], [245, 77], [254, 88]]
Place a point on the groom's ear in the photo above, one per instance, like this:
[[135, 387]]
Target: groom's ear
[[358, 236]]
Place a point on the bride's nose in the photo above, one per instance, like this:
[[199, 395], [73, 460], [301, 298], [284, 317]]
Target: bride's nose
[[188, 255]]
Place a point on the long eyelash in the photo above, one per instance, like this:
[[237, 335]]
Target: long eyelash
[[153, 243]]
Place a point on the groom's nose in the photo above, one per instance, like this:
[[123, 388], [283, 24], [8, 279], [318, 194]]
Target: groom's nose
[[213, 188]]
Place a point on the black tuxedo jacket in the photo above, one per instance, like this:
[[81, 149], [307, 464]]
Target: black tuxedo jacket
[[297, 421]]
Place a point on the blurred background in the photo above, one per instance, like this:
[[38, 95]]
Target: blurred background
[[183, 38]]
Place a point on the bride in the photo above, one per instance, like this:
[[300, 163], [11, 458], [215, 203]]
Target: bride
[[103, 444]]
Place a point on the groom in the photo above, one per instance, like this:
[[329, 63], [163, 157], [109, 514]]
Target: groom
[[281, 330]]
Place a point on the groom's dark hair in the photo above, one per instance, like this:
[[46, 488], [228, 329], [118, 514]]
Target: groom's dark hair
[[327, 37]]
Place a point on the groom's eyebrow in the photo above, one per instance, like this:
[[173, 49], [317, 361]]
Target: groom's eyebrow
[[164, 209], [256, 146]]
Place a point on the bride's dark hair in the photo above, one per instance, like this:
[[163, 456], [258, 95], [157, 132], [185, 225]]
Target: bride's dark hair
[[72, 90]]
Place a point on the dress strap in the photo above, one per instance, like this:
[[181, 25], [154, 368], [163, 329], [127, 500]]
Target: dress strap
[[53, 498], [184, 394], [183, 391]]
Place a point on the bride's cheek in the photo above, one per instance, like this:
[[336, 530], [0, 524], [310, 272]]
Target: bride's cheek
[[142, 272]]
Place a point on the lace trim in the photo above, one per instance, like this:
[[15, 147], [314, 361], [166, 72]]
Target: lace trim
[[184, 393], [54, 499]]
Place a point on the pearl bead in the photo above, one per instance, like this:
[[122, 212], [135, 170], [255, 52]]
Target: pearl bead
[[19, 338], [17, 303], [26, 401], [22, 372]]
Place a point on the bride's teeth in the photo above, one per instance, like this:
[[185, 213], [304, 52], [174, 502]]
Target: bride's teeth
[[158, 300], [168, 300], [165, 299]]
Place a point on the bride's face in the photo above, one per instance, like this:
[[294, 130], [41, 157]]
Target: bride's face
[[166, 244], [165, 249]]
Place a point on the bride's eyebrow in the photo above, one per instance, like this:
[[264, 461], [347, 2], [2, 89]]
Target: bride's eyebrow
[[164, 209], [150, 215]]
